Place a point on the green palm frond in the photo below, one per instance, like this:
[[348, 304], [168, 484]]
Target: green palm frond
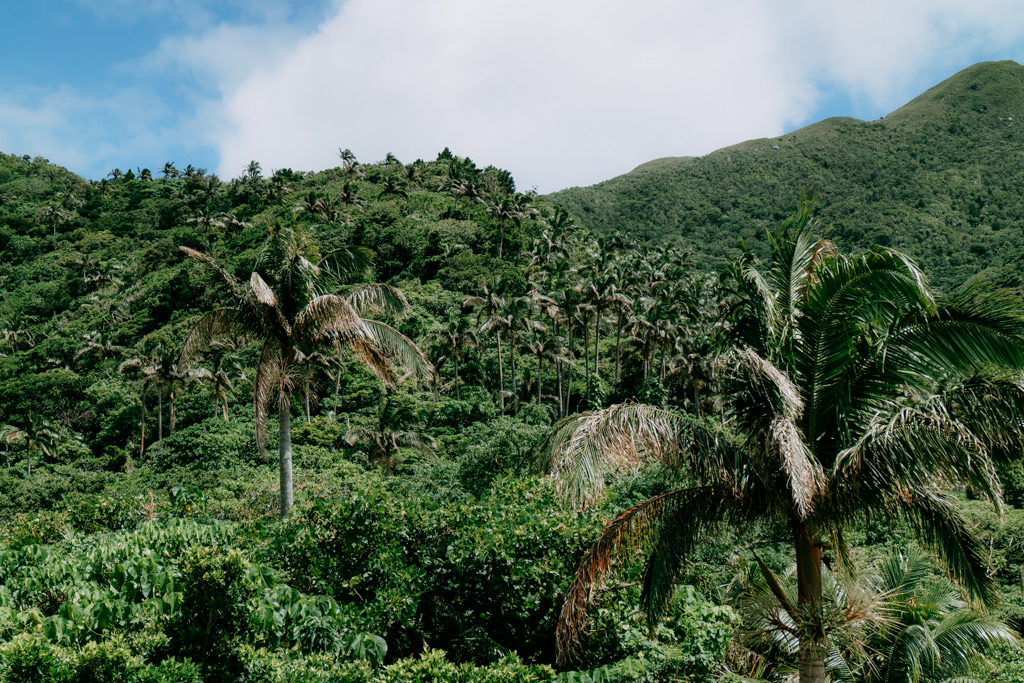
[[650, 520], [233, 284], [941, 527]]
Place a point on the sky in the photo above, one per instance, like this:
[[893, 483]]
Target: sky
[[559, 92]]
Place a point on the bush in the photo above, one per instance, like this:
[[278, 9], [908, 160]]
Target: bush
[[210, 445]]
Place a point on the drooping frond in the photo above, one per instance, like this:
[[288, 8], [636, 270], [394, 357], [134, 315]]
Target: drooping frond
[[942, 528], [347, 262], [657, 519], [261, 290], [325, 319], [768, 406], [221, 322], [583, 449], [378, 299], [402, 351], [236, 287], [918, 436], [267, 375]]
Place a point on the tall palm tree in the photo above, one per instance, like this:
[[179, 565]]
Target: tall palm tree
[[489, 311], [455, 335], [850, 392], [284, 305]]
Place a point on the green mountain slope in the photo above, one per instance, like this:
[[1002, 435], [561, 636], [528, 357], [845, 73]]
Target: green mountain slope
[[941, 179]]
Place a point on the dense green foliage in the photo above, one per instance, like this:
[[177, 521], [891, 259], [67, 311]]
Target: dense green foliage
[[939, 179], [140, 535]]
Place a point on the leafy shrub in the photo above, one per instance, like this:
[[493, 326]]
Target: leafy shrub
[[210, 445]]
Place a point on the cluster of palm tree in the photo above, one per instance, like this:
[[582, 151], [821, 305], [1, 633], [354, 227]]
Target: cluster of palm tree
[[847, 390], [592, 308]]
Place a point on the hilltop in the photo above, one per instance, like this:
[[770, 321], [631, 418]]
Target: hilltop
[[941, 178]]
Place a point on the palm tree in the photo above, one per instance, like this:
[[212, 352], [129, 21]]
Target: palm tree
[[388, 437], [897, 622], [221, 380], [455, 335], [36, 433], [850, 391], [285, 307], [490, 306]]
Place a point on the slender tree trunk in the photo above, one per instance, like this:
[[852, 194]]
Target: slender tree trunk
[[170, 397], [306, 392], [142, 430], [808, 573], [455, 359], [568, 375], [28, 457], [501, 376], [512, 367], [540, 361], [586, 357], [597, 343], [285, 453], [160, 416], [618, 350]]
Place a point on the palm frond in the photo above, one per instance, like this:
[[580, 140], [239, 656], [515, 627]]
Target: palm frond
[[941, 527], [233, 284], [377, 299], [400, 349], [220, 322], [679, 517], [583, 449], [347, 262]]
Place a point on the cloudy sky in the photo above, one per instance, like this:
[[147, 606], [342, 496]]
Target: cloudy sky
[[559, 92]]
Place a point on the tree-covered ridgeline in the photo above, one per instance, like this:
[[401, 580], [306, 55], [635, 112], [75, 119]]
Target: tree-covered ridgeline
[[940, 179], [418, 332]]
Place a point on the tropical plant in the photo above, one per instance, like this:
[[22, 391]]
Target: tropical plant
[[390, 435], [850, 392], [36, 433], [284, 305]]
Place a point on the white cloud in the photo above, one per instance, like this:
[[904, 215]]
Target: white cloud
[[565, 92], [560, 92]]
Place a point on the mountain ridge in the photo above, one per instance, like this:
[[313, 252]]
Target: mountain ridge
[[939, 177]]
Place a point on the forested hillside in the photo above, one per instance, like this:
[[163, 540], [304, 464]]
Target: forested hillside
[[434, 360], [941, 179]]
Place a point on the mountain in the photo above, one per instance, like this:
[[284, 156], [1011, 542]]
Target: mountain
[[941, 178]]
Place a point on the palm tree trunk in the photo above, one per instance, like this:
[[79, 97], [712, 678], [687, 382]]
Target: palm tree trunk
[[306, 392], [597, 343], [160, 416], [512, 367], [170, 397], [501, 376], [226, 409], [586, 357], [618, 350], [455, 359], [540, 362], [808, 573], [568, 375], [285, 453], [142, 430]]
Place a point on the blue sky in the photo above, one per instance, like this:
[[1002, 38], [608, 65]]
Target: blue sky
[[560, 92]]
